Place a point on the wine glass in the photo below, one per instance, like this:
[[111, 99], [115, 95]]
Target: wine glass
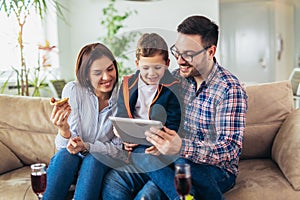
[[182, 179], [38, 179]]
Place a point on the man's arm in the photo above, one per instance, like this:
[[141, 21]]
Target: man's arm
[[230, 120], [230, 125]]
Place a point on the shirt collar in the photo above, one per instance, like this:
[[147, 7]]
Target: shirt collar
[[114, 95], [212, 73]]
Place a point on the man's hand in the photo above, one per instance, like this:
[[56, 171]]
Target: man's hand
[[152, 150], [168, 142]]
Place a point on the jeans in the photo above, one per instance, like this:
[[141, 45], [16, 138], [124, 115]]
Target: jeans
[[157, 169], [63, 170], [208, 183], [126, 183], [147, 162]]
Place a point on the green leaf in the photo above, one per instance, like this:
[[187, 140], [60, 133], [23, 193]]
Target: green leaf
[[5, 82], [21, 9], [113, 23]]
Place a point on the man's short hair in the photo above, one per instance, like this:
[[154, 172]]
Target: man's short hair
[[200, 25]]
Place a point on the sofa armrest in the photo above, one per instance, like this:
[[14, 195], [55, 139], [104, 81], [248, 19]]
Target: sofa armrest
[[286, 149]]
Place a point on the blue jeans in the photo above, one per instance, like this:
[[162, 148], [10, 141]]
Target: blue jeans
[[208, 183], [126, 183], [156, 168], [147, 162], [63, 170]]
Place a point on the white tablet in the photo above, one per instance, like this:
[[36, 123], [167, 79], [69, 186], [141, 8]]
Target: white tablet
[[133, 130]]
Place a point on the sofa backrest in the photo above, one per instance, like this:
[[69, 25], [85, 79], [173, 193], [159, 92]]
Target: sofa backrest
[[269, 105], [27, 133], [25, 128]]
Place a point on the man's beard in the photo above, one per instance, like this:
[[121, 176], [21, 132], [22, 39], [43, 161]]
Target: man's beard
[[192, 71]]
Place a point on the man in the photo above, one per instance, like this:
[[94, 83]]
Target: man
[[215, 114]]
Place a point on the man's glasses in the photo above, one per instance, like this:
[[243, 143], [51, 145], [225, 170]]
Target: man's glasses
[[187, 56]]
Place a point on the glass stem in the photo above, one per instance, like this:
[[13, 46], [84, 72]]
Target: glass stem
[[40, 196]]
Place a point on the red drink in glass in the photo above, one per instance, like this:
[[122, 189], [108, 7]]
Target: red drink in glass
[[39, 182], [38, 179], [183, 184]]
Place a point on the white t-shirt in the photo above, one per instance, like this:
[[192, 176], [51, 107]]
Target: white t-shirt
[[146, 94]]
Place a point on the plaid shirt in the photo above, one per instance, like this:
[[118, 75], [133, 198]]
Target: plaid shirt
[[215, 118]]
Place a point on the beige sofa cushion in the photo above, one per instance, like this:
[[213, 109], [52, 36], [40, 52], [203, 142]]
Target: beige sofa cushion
[[25, 127], [29, 147], [8, 159], [261, 179], [14, 113], [286, 149], [268, 106], [16, 185]]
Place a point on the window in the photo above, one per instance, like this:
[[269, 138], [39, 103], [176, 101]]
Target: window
[[35, 33]]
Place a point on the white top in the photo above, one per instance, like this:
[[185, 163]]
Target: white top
[[146, 94], [85, 120]]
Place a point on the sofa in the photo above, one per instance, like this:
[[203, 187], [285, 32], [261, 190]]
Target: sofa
[[26, 137], [269, 166]]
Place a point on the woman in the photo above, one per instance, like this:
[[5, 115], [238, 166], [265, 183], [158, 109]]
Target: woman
[[85, 140]]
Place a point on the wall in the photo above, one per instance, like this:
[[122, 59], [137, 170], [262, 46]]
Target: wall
[[84, 22], [297, 33], [283, 23], [284, 30]]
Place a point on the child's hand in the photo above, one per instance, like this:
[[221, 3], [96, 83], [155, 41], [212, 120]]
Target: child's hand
[[129, 146], [152, 150]]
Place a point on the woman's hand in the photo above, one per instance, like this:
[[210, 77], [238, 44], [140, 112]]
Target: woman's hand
[[59, 117], [76, 145]]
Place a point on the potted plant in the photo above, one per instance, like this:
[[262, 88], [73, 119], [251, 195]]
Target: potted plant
[[119, 44], [22, 9]]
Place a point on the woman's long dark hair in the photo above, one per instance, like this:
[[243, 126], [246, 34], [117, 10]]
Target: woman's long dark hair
[[87, 55]]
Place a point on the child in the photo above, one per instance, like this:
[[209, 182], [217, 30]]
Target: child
[[151, 93]]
